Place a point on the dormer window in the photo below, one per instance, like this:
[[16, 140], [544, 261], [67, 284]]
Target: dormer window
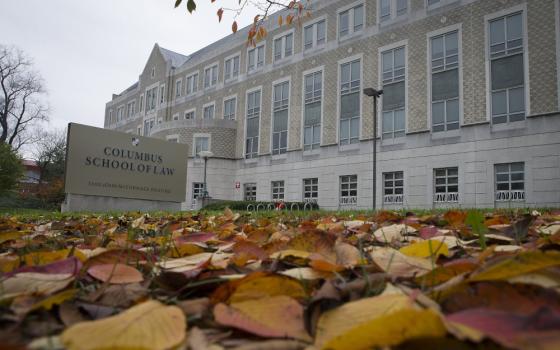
[[153, 71]]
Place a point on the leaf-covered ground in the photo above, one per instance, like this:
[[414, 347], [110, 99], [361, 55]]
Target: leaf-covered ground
[[454, 280]]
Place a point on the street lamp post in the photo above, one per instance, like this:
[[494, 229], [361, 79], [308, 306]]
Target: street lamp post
[[371, 92], [205, 155]]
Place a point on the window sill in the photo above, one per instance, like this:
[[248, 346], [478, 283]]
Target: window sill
[[349, 37], [438, 135], [311, 152], [231, 80], [349, 148], [393, 141], [250, 160], [282, 156], [313, 50], [211, 87], [394, 20], [522, 124], [254, 71]]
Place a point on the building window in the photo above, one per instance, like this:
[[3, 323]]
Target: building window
[[151, 99], [208, 112], [192, 84], [389, 9], [351, 21], [250, 192], [189, 115], [348, 190], [510, 182], [197, 191], [314, 35], [173, 139], [255, 58], [310, 190], [120, 113], [277, 190], [283, 47], [201, 144], [229, 109], [393, 187], [148, 125], [231, 70], [350, 102], [153, 72], [281, 101], [253, 116], [394, 91], [210, 76], [446, 185], [175, 116], [130, 109], [313, 85], [111, 117], [178, 88], [433, 2], [162, 94], [141, 103], [445, 81], [507, 69]]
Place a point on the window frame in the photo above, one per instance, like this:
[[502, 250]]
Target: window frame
[[351, 32], [255, 49], [314, 24], [256, 154], [429, 36], [313, 193], [395, 199], [232, 58], [178, 92], [352, 200], [288, 108], [340, 63], [188, 111], [510, 194], [150, 89], [282, 36], [133, 104], [199, 136], [303, 127], [253, 187], [280, 187], [393, 15], [522, 8], [449, 197], [227, 99], [213, 83], [208, 105], [194, 85], [380, 51]]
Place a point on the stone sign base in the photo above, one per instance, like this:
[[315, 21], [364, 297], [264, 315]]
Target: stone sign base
[[80, 202]]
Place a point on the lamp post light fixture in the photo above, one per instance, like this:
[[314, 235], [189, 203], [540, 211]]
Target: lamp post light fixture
[[371, 92], [205, 155]]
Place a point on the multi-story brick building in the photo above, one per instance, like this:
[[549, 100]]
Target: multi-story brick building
[[469, 116]]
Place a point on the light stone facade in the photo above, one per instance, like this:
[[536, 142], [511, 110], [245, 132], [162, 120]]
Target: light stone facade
[[474, 149]]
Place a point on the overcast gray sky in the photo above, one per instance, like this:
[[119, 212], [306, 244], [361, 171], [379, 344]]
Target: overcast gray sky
[[88, 49]]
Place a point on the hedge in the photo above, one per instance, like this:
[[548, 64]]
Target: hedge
[[242, 205]]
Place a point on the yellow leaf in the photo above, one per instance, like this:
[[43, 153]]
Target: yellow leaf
[[150, 325], [340, 321], [56, 299], [519, 264], [390, 329], [185, 250], [268, 286], [9, 236], [8, 263], [426, 249], [26, 283], [43, 258]]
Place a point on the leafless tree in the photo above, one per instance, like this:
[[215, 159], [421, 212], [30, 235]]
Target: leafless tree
[[22, 96]]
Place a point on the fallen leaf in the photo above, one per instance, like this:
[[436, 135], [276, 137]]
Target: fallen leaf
[[27, 283], [426, 249], [150, 325], [116, 273], [397, 264], [519, 264], [395, 232], [276, 317]]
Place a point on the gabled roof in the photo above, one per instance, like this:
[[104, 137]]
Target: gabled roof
[[176, 59]]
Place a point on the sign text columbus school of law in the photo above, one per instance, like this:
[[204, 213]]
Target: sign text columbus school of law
[[127, 160]]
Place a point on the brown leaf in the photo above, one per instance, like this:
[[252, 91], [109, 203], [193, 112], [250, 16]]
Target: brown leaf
[[116, 273]]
